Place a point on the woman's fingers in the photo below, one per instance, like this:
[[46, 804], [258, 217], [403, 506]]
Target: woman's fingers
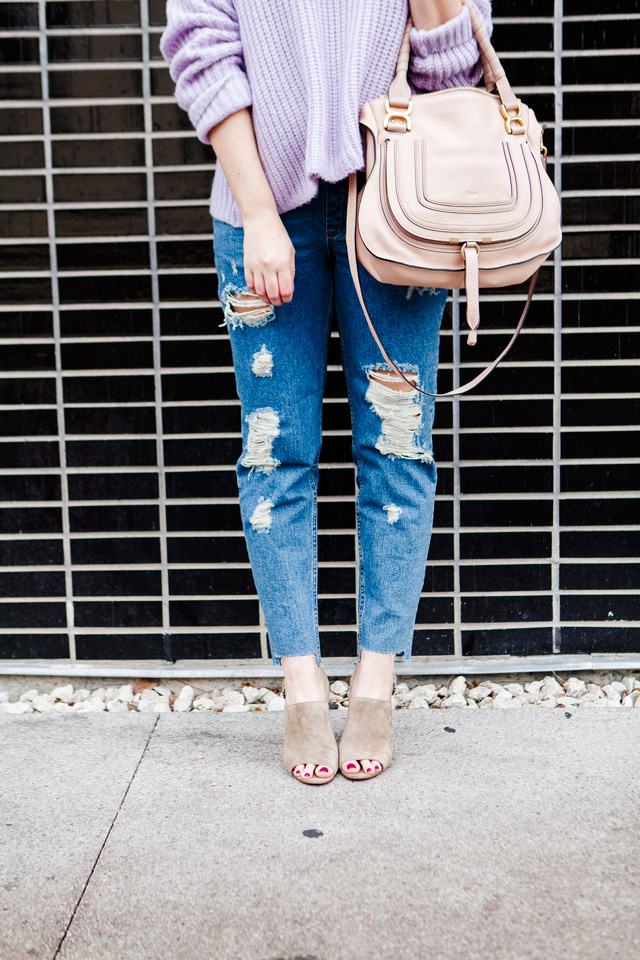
[[285, 279], [259, 286], [273, 289]]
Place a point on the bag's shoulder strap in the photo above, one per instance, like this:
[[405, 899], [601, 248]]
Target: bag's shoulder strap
[[353, 264], [494, 75]]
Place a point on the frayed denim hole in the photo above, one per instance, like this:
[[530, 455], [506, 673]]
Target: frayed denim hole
[[400, 413], [236, 300]]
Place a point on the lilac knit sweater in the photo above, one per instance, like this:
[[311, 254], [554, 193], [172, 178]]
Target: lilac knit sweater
[[306, 69]]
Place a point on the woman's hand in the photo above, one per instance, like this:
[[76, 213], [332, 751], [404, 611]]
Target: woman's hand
[[269, 258]]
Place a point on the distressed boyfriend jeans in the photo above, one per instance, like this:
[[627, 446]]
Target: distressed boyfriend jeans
[[280, 362]]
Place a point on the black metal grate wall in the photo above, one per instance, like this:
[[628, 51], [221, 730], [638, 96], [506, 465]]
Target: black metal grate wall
[[120, 534]]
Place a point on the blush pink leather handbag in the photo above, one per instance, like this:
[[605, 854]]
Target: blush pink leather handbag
[[456, 192]]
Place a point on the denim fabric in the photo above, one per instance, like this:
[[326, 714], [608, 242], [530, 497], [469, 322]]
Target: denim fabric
[[280, 361]]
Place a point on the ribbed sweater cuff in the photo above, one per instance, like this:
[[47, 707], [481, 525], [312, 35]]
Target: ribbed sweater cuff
[[233, 95], [447, 56], [453, 33]]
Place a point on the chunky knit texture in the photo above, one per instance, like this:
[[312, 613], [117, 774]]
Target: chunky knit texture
[[305, 68]]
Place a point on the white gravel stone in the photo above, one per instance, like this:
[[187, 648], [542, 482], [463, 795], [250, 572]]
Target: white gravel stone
[[81, 695], [472, 703], [550, 688], [427, 691], [515, 689], [418, 703], [505, 703], [523, 699], [568, 701], [618, 687], [457, 685], [455, 700], [183, 701], [19, 707], [125, 693], [340, 688], [61, 706], [637, 703], [227, 698], [402, 689], [4, 695], [42, 703], [203, 703], [495, 687], [99, 694], [479, 692], [237, 708], [63, 693], [253, 694], [115, 706], [277, 703], [486, 704], [610, 692], [149, 695], [533, 686], [595, 689], [28, 696], [629, 683], [160, 705], [575, 687]]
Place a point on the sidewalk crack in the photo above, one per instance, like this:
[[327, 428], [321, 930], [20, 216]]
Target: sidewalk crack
[[104, 842]]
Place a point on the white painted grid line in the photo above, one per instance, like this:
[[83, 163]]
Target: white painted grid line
[[55, 305]]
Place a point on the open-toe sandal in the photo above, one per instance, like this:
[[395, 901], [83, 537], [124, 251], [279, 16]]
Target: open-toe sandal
[[309, 738], [368, 734]]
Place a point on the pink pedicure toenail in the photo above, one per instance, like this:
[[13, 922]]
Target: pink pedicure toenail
[[323, 770], [307, 774], [351, 766]]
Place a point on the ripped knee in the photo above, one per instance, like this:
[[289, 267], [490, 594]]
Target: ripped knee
[[400, 410], [244, 308]]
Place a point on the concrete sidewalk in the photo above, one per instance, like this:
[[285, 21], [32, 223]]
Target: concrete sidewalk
[[509, 834]]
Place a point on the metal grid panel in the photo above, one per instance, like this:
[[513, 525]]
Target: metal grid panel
[[121, 535]]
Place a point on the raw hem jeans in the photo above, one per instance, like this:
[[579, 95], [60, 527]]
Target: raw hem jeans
[[280, 356]]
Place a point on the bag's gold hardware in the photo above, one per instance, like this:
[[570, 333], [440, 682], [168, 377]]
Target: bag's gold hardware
[[487, 239], [454, 240], [397, 113], [543, 149], [469, 243], [509, 121]]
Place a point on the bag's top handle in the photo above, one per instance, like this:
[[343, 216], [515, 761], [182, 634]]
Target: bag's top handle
[[494, 75]]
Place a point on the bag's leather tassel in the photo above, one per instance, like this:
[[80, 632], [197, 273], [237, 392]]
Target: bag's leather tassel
[[469, 253]]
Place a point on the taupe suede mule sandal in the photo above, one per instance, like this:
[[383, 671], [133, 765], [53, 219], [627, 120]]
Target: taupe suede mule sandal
[[368, 734], [309, 738]]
